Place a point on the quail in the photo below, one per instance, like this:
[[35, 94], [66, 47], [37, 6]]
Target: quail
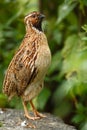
[[27, 69]]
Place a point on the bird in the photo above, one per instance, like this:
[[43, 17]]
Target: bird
[[25, 74]]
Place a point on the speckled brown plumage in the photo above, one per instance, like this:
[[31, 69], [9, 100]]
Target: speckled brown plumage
[[26, 71]]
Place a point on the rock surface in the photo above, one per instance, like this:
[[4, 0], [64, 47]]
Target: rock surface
[[11, 119]]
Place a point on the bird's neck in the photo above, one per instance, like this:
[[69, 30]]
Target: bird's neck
[[31, 28], [38, 27]]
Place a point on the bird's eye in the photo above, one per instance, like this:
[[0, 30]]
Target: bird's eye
[[33, 16]]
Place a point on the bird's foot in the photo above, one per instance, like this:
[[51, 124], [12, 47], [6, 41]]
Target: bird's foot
[[40, 115], [31, 118], [36, 113]]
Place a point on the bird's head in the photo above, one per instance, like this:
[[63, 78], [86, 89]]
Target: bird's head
[[34, 18]]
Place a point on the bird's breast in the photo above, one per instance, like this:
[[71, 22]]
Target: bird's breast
[[42, 63], [43, 59]]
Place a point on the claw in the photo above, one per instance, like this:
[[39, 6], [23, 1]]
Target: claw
[[31, 118], [40, 115]]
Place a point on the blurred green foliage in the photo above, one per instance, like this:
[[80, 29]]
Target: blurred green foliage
[[65, 90]]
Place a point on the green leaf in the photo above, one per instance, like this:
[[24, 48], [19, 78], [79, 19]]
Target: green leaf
[[43, 98], [61, 108], [3, 100], [84, 126], [68, 1], [80, 108], [56, 62], [70, 45], [84, 27], [78, 118], [64, 10], [63, 90]]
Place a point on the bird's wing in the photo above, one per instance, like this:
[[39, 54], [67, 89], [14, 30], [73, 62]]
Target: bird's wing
[[21, 70]]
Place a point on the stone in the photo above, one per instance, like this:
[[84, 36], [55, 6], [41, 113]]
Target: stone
[[12, 119]]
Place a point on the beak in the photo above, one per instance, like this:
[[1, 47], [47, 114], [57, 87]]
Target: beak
[[42, 16]]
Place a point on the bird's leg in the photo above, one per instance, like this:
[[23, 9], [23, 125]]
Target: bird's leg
[[36, 113], [26, 111]]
